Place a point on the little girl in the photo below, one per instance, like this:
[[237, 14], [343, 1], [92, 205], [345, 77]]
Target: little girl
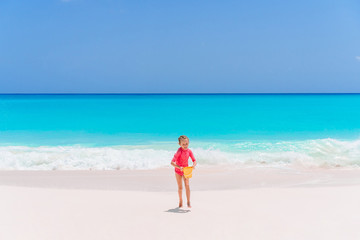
[[180, 161]]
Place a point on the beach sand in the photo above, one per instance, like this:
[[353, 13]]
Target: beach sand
[[248, 203]]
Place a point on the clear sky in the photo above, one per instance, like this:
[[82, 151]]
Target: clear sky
[[253, 46]]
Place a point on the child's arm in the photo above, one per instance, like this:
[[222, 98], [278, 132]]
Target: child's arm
[[194, 164], [173, 161], [177, 166], [193, 159]]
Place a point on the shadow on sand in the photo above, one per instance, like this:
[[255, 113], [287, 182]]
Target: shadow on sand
[[178, 210]]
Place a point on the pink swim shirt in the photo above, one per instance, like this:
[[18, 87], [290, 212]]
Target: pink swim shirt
[[181, 158]]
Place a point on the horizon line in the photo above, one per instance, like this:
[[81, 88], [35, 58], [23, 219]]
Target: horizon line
[[314, 93]]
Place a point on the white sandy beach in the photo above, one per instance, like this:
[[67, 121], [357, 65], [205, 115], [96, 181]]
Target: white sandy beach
[[254, 203]]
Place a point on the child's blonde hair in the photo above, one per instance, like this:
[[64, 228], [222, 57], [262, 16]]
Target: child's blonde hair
[[183, 137]]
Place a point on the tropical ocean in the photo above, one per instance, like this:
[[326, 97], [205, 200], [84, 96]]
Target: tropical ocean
[[140, 131]]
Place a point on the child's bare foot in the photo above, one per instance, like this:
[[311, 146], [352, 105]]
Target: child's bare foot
[[189, 205], [180, 204]]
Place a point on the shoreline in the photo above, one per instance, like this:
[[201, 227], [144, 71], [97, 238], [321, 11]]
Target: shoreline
[[163, 180]]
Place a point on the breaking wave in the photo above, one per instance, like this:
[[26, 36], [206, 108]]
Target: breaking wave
[[323, 153]]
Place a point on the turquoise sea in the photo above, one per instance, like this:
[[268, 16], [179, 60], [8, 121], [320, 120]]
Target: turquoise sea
[[140, 131]]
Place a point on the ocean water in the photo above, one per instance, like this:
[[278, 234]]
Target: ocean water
[[140, 131]]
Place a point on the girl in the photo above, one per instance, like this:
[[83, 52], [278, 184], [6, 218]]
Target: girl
[[180, 161]]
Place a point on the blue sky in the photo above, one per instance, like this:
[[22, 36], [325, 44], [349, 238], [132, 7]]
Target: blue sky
[[79, 46]]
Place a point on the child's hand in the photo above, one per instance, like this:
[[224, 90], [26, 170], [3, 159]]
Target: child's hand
[[181, 168]]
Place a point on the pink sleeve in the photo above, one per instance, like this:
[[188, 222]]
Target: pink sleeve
[[192, 156], [176, 155]]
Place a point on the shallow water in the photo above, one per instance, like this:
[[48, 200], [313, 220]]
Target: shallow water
[[140, 131]]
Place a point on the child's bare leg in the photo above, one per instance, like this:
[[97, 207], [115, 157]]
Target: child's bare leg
[[179, 182], [187, 187]]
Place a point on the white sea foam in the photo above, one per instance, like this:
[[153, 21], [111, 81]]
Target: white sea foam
[[323, 153]]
